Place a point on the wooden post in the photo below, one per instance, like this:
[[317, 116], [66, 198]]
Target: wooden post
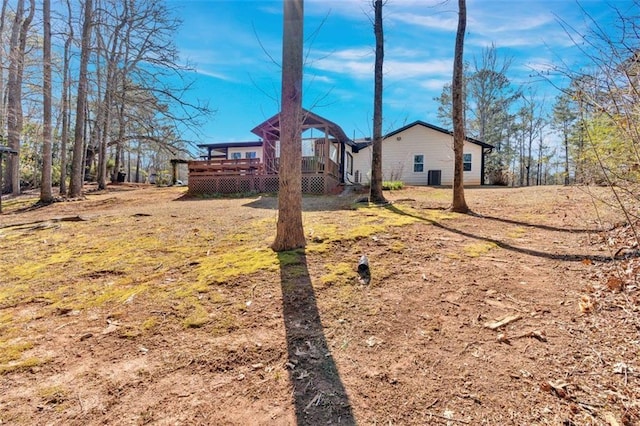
[[174, 172]]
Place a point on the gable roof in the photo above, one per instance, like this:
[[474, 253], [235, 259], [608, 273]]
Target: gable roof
[[230, 144], [437, 129], [311, 120]]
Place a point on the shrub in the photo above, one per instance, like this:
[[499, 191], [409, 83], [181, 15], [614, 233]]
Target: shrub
[[392, 185]]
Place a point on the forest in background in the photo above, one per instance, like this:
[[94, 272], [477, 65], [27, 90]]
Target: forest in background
[[115, 86]]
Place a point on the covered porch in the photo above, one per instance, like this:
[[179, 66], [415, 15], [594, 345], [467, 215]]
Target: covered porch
[[322, 160]]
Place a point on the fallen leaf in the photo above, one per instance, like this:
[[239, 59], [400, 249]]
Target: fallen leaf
[[559, 387], [587, 304], [615, 284]]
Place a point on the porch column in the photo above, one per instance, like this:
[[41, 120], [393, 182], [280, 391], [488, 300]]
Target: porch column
[[341, 163]]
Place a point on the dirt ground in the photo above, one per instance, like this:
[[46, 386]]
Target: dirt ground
[[141, 305]]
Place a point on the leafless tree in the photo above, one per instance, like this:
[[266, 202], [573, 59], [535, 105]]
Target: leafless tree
[[564, 117], [376, 195], [457, 88], [531, 126], [75, 187], [289, 232], [46, 193], [18, 43], [139, 102], [607, 93], [66, 95], [3, 14], [488, 95]]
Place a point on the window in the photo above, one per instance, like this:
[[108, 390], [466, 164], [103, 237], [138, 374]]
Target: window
[[466, 162], [349, 163], [418, 163], [251, 154], [236, 155], [333, 153]]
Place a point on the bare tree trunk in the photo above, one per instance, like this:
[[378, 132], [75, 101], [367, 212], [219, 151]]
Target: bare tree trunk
[[138, 161], [541, 149], [289, 232], [3, 105], [529, 158], [122, 130], [117, 164], [46, 193], [14, 102], [77, 165], [376, 195], [97, 134], [64, 137], [522, 163], [459, 204], [566, 158]]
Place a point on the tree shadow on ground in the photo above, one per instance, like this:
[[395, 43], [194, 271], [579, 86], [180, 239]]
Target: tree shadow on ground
[[319, 395], [310, 203], [507, 246], [513, 221], [540, 226]]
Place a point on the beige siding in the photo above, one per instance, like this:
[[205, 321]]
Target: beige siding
[[362, 165], [398, 154]]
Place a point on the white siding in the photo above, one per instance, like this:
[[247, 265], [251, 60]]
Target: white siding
[[399, 150], [243, 151], [362, 166]]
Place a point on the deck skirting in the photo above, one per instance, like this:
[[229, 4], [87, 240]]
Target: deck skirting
[[232, 184]]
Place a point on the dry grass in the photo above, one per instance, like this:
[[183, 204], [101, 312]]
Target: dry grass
[[154, 306]]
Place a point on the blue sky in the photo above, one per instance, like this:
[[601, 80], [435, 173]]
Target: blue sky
[[235, 47]]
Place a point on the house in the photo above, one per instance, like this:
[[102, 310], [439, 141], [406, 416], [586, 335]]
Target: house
[[422, 154], [228, 167], [233, 150], [417, 154]]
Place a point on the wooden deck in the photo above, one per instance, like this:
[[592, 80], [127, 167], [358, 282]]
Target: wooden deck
[[251, 175]]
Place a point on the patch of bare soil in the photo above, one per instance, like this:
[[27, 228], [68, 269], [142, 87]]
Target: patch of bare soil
[[524, 313]]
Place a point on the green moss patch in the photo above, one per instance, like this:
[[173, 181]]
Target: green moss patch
[[339, 274], [478, 249], [21, 365]]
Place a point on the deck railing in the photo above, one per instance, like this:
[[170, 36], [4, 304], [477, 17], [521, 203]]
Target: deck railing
[[246, 175], [241, 166], [310, 165]]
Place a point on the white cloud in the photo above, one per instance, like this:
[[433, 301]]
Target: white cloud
[[400, 63], [315, 78], [356, 69], [354, 54], [511, 41], [216, 75], [495, 25], [412, 69], [434, 84], [439, 22]]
